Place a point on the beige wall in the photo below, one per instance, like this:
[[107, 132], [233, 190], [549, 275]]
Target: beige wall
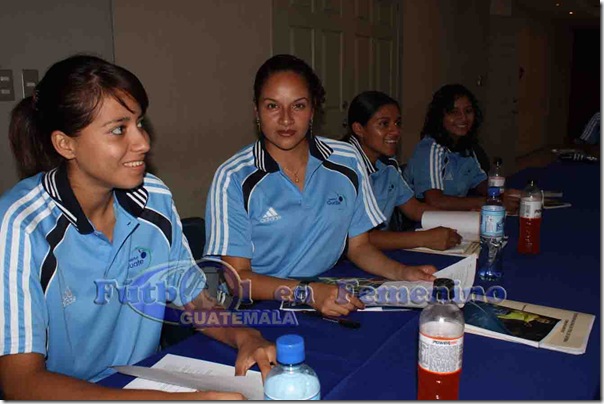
[[34, 34], [444, 41], [197, 60]]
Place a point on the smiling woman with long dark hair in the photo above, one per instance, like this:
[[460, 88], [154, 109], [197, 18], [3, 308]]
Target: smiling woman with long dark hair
[[444, 167]]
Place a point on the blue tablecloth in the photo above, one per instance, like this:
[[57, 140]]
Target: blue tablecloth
[[379, 360]]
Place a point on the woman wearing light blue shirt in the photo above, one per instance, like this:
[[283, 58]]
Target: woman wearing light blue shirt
[[374, 124], [291, 203], [444, 168]]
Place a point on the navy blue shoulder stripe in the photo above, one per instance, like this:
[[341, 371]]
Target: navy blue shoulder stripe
[[160, 221], [352, 176], [49, 266], [249, 184]]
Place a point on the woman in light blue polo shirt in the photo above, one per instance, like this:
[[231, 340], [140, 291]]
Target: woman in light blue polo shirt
[[444, 167], [288, 205], [87, 242], [374, 126]]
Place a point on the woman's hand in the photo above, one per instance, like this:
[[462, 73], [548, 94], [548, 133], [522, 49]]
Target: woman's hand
[[441, 238], [416, 273], [253, 348], [332, 300]]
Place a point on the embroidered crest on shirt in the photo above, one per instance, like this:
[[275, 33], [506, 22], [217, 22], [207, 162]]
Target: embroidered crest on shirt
[[449, 176], [270, 216], [68, 297]]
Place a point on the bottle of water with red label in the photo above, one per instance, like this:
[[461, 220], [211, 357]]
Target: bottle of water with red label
[[496, 178], [531, 207], [492, 220], [440, 351]]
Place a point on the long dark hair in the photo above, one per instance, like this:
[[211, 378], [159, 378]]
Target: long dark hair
[[66, 99], [284, 63], [443, 102], [364, 106]]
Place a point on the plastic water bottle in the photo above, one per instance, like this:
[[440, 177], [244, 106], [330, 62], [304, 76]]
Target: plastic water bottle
[[494, 197], [440, 351], [291, 379], [492, 221], [496, 178], [531, 207]]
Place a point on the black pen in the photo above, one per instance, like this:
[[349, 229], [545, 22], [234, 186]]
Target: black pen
[[341, 321]]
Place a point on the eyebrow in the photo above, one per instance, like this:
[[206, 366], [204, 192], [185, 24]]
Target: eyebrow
[[272, 99], [114, 121], [121, 120]]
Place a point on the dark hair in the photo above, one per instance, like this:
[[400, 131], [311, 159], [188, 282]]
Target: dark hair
[[66, 99], [284, 63], [364, 106], [443, 101]]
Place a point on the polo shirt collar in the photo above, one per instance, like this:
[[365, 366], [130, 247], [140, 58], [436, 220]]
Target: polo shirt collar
[[56, 184], [265, 162], [371, 168]]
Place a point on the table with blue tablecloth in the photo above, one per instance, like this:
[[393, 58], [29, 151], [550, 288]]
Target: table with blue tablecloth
[[379, 360]]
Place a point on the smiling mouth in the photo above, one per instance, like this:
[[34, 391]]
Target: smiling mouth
[[134, 164]]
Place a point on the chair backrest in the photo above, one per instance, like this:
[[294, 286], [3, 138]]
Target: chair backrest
[[195, 231]]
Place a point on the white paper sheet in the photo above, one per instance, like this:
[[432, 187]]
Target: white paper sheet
[[467, 224], [200, 367]]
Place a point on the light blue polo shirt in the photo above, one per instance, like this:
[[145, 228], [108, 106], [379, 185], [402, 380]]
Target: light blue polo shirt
[[389, 186], [433, 166], [255, 211], [69, 293]]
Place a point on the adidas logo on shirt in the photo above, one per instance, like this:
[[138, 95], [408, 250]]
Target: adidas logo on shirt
[[271, 215]]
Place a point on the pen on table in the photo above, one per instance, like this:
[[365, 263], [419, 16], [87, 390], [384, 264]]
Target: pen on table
[[341, 321]]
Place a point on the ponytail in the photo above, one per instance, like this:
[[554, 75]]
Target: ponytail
[[66, 99], [31, 146]]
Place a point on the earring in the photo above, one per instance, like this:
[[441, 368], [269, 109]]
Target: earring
[[258, 124], [310, 126]]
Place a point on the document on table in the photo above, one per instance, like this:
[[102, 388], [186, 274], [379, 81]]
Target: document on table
[[252, 381], [467, 224]]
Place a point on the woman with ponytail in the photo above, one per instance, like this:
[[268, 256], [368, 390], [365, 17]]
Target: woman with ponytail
[[71, 232]]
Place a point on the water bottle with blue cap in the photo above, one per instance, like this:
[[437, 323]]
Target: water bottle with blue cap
[[291, 378]]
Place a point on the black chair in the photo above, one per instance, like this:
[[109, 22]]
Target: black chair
[[398, 221], [195, 232]]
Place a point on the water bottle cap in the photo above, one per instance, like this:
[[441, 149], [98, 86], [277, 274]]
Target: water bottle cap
[[443, 289], [290, 349], [532, 182]]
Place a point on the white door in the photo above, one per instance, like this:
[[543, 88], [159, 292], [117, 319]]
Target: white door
[[353, 45]]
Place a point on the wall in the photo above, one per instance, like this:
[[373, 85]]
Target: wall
[[36, 33], [443, 42], [544, 54], [197, 60]]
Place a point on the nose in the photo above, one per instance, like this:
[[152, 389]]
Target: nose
[[140, 142], [285, 117]]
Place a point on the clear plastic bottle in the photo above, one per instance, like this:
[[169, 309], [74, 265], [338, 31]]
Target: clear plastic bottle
[[440, 351], [531, 207], [494, 197], [492, 221], [496, 178], [291, 379]]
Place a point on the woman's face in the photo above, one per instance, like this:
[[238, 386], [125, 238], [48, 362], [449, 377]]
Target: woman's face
[[110, 152], [380, 136], [284, 109], [458, 122]]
